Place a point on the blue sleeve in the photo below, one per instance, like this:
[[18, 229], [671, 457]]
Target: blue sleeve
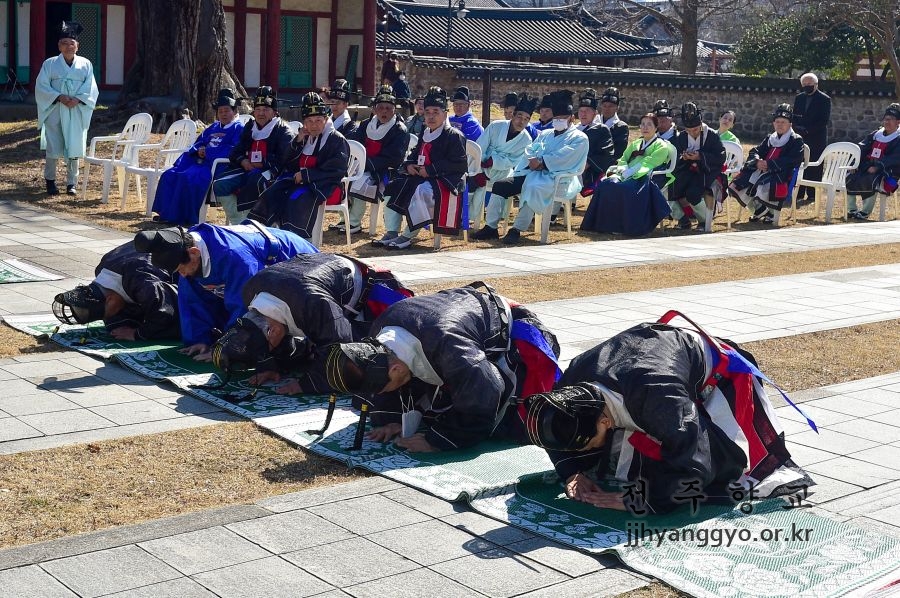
[[239, 272], [197, 312]]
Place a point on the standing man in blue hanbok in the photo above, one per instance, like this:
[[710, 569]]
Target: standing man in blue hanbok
[[462, 118], [557, 151], [65, 92], [214, 263], [182, 188]]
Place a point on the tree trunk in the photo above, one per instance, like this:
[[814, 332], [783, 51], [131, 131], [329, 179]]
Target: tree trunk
[[182, 54], [689, 37]]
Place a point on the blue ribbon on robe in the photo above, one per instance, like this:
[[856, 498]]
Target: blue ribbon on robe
[[529, 333]]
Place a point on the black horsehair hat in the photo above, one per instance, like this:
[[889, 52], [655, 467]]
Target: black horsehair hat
[[358, 367], [510, 100], [526, 104], [611, 94], [588, 99], [661, 108], [70, 30], [266, 96], [461, 94], [385, 95], [545, 102], [893, 110], [691, 115], [167, 247], [312, 104], [436, 97], [783, 111], [340, 90], [564, 419], [225, 98], [561, 102], [243, 345], [81, 305]]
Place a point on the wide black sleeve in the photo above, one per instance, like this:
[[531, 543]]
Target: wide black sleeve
[[159, 303], [600, 149], [620, 139], [279, 142], [791, 157], [393, 150], [449, 160], [712, 155], [288, 161], [332, 164], [239, 151]]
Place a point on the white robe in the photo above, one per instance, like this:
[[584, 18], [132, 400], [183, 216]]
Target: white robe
[[505, 154], [64, 130], [565, 153]]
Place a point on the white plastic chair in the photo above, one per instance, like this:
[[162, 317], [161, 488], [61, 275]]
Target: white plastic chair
[[355, 170], [180, 136], [883, 202], [375, 208], [734, 161], [135, 132], [836, 160], [473, 167], [559, 196]]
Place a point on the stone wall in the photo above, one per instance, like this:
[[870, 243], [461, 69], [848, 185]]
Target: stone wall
[[857, 107]]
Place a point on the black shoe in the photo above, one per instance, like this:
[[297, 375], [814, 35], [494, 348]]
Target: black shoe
[[70, 190], [760, 212], [860, 216], [768, 219], [512, 236], [852, 214], [684, 223], [52, 189], [486, 234]]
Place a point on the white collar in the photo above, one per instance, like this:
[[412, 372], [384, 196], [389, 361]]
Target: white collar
[[428, 135], [112, 281], [778, 141], [611, 121], [205, 265], [272, 307], [408, 349], [882, 138], [377, 131], [309, 148], [264, 133], [342, 118]]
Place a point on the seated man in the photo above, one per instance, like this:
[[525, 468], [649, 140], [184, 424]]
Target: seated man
[[214, 263], [545, 114], [339, 97], [454, 358], [416, 123], [560, 151], [655, 407], [462, 118], [503, 144], [609, 106], [136, 300], [879, 166], [427, 188], [763, 184], [182, 189], [600, 142], [701, 157], [297, 310], [628, 200], [386, 141], [311, 171], [254, 159]]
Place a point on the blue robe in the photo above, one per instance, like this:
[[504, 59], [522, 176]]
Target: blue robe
[[232, 254], [565, 153], [182, 189], [468, 124]]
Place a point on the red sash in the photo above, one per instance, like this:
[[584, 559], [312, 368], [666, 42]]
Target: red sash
[[373, 147], [307, 161], [310, 162], [879, 148], [781, 189], [261, 146]]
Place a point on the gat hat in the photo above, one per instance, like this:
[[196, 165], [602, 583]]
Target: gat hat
[[610, 94], [893, 110], [81, 305], [358, 367], [526, 104], [312, 104], [564, 419], [385, 95], [661, 109], [561, 102], [545, 102], [510, 100], [70, 30], [340, 90], [588, 99], [436, 97], [461, 94], [167, 247], [783, 111], [225, 98], [243, 345], [691, 116], [265, 96]]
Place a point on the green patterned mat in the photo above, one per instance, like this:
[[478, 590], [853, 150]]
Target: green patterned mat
[[18, 271], [718, 552]]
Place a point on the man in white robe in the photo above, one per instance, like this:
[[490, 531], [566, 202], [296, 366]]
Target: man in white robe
[[66, 93], [561, 150]]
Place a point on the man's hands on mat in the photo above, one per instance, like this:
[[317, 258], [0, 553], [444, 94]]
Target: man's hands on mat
[[260, 378], [415, 443], [199, 351], [582, 488], [384, 433], [123, 333]]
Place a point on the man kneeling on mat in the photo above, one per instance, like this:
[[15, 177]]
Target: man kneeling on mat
[[297, 310], [453, 359], [670, 412], [135, 299]]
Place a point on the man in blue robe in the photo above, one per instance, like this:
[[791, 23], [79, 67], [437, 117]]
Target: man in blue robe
[[65, 92], [462, 118], [214, 262], [183, 188]]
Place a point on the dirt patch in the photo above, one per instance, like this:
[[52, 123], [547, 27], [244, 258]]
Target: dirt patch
[[13, 342], [59, 492]]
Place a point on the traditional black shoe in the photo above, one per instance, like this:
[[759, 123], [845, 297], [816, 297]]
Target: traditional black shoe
[[486, 234], [512, 236], [852, 214], [52, 189], [860, 216], [760, 212], [70, 190], [768, 219], [684, 223]]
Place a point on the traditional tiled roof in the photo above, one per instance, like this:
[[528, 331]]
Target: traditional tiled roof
[[562, 32]]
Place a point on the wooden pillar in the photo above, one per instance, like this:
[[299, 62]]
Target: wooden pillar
[[273, 43], [486, 98], [37, 38], [130, 41], [370, 18], [240, 39]]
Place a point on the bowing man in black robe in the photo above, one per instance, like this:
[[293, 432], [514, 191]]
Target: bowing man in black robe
[[812, 115], [454, 359], [659, 408], [297, 309], [600, 141], [428, 186], [136, 300], [701, 156], [763, 184], [311, 171]]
